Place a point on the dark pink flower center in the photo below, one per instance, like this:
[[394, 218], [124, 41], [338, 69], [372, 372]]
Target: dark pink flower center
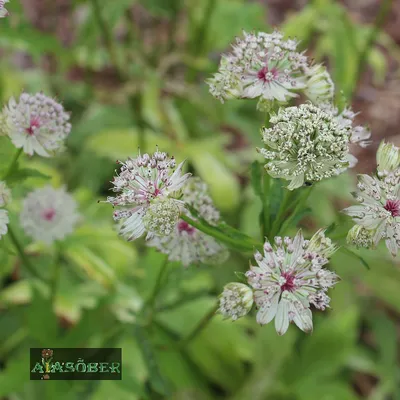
[[267, 75], [289, 284], [49, 214], [35, 123], [183, 226], [393, 206]]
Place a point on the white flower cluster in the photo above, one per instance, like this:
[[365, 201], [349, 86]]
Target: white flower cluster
[[305, 144], [3, 12], [289, 277], [261, 65], [148, 186], [5, 198], [36, 123], [49, 214], [235, 301], [378, 215], [186, 243]]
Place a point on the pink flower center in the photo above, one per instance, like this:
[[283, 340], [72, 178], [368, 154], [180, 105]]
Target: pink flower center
[[289, 284], [393, 206], [49, 214], [267, 75], [183, 226], [34, 124]]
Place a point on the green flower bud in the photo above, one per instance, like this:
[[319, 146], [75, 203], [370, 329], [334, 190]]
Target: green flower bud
[[235, 301], [360, 237], [387, 157], [161, 217]]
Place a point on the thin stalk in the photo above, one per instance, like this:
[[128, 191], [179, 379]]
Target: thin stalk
[[152, 299], [266, 205], [281, 212], [25, 260], [379, 21], [13, 163], [107, 36], [56, 276], [199, 327]]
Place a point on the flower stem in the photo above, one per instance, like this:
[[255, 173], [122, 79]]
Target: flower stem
[[384, 9], [25, 260], [199, 327], [56, 275], [281, 212], [152, 299], [13, 163]]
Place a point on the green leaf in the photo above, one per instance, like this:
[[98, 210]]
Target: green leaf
[[21, 174], [256, 176]]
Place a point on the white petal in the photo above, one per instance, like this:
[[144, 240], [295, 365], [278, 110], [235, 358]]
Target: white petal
[[267, 312], [282, 316]]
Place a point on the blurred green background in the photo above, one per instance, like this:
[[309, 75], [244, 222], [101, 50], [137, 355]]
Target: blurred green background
[[132, 74]]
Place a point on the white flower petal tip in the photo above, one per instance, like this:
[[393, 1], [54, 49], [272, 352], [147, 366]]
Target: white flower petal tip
[[289, 277]]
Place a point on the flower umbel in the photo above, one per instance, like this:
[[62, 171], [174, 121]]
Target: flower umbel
[[5, 194], [235, 301], [304, 144], [186, 243], [4, 221], [359, 236], [49, 214], [260, 65], [379, 208], [147, 186], [37, 124], [289, 278]]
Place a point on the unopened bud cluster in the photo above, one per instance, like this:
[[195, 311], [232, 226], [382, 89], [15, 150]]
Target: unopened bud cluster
[[235, 301]]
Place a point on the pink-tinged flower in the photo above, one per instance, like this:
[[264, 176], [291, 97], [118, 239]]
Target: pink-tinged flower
[[379, 209], [4, 221], [261, 65], [3, 12], [289, 277], [36, 123], [187, 244], [147, 188], [49, 214]]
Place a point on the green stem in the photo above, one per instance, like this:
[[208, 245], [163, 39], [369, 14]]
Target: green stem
[[107, 36], [56, 276], [13, 164], [25, 260], [300, 204], [282, 210], [152, 299], [379, 21], [266, 205], [199, 327]]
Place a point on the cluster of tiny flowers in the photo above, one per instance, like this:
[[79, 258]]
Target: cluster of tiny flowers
[[186, 243], [235, 301], [3, 11], [305, 144], [261, 65], [289, 277], [49, 214], [147, 186], [36, 123], [5, 198], [320, 87], [359, 135], [379, 209]]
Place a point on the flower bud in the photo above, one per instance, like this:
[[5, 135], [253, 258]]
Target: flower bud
[[5, 194], [387, 157], [320, 87], [321, 244], [235, 301], [360, 237]]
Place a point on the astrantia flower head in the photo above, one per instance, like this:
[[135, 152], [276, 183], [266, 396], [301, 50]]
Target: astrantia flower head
[[289, 278], [320, 87], [379, 208], [187, 244], [37, 124], [4, 221], [359, 236], [387, 158], [5, 194], [147, 186], [235, 301], [3, 11], [260, 65], [49, 214], [304, 144]]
